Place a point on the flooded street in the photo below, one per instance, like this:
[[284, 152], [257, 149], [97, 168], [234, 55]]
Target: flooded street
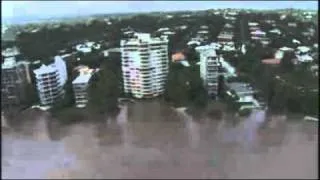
[[152, 140]]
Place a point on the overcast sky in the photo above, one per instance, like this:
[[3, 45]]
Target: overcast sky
[[44, 9]]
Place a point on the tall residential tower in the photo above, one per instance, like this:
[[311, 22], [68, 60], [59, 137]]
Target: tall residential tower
[[50, 81], [144, 65]]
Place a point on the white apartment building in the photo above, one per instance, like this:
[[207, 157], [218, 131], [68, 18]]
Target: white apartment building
[[144, 65], [209, 68], [50, 80], [80, 86]]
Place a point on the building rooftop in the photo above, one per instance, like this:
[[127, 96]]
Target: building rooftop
[[258, 32], [277, 31], [228, 25], [303, 49], [143, 37], [178, 56], [285, 49], [296, 41], [44, 69], [185, 63], [193, 42], [204, 27], [240, 87], [9, 63], [118, 50], [271, 61], [304, 58], [10, 52], [253, 23], [163, 29], [82, 78], [203, 32]]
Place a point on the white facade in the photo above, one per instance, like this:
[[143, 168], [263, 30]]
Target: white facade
[[144, 65], [50, 80], [80, 86], [209, 68]]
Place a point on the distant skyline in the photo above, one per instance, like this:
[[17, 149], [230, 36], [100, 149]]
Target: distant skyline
[[50, 9]]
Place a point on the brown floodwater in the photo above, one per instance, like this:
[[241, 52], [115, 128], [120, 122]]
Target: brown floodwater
[[151, 140]]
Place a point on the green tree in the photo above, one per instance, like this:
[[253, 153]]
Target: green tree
[[198, 96], [103, 92], [286, 64], [177, 86]]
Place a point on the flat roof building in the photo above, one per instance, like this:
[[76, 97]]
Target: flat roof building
[[80, 86], [50, 80], [145, 65]]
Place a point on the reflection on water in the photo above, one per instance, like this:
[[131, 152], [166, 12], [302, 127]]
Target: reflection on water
[[151, 140]]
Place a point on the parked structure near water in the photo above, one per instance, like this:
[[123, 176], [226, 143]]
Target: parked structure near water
[[244, 95], [145, 65], [50, 80]]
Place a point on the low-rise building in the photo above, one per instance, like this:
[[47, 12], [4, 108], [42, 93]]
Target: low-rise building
[[253, 24], [303, 54], [225, 36], [292, 24], [315, 69], [87, 47], [244, 95], [275, 31], [179, 56], [190, 43], [258, 35], [11, 52], [229, 46]]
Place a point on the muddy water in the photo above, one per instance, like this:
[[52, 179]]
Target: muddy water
[[152, 140]]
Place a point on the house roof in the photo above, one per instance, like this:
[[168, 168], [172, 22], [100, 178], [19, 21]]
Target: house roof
[[303, 48], [271, 61], [193, 42], [275, 31], [304, 58], [253, 23], [228, 25], [258, 32], [163, 29], [285, 49], [178, 56], [296, 41]]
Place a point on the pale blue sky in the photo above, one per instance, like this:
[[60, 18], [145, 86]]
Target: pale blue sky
[[44, 9]]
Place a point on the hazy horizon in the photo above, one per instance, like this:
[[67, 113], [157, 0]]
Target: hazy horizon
[[36, 10]]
